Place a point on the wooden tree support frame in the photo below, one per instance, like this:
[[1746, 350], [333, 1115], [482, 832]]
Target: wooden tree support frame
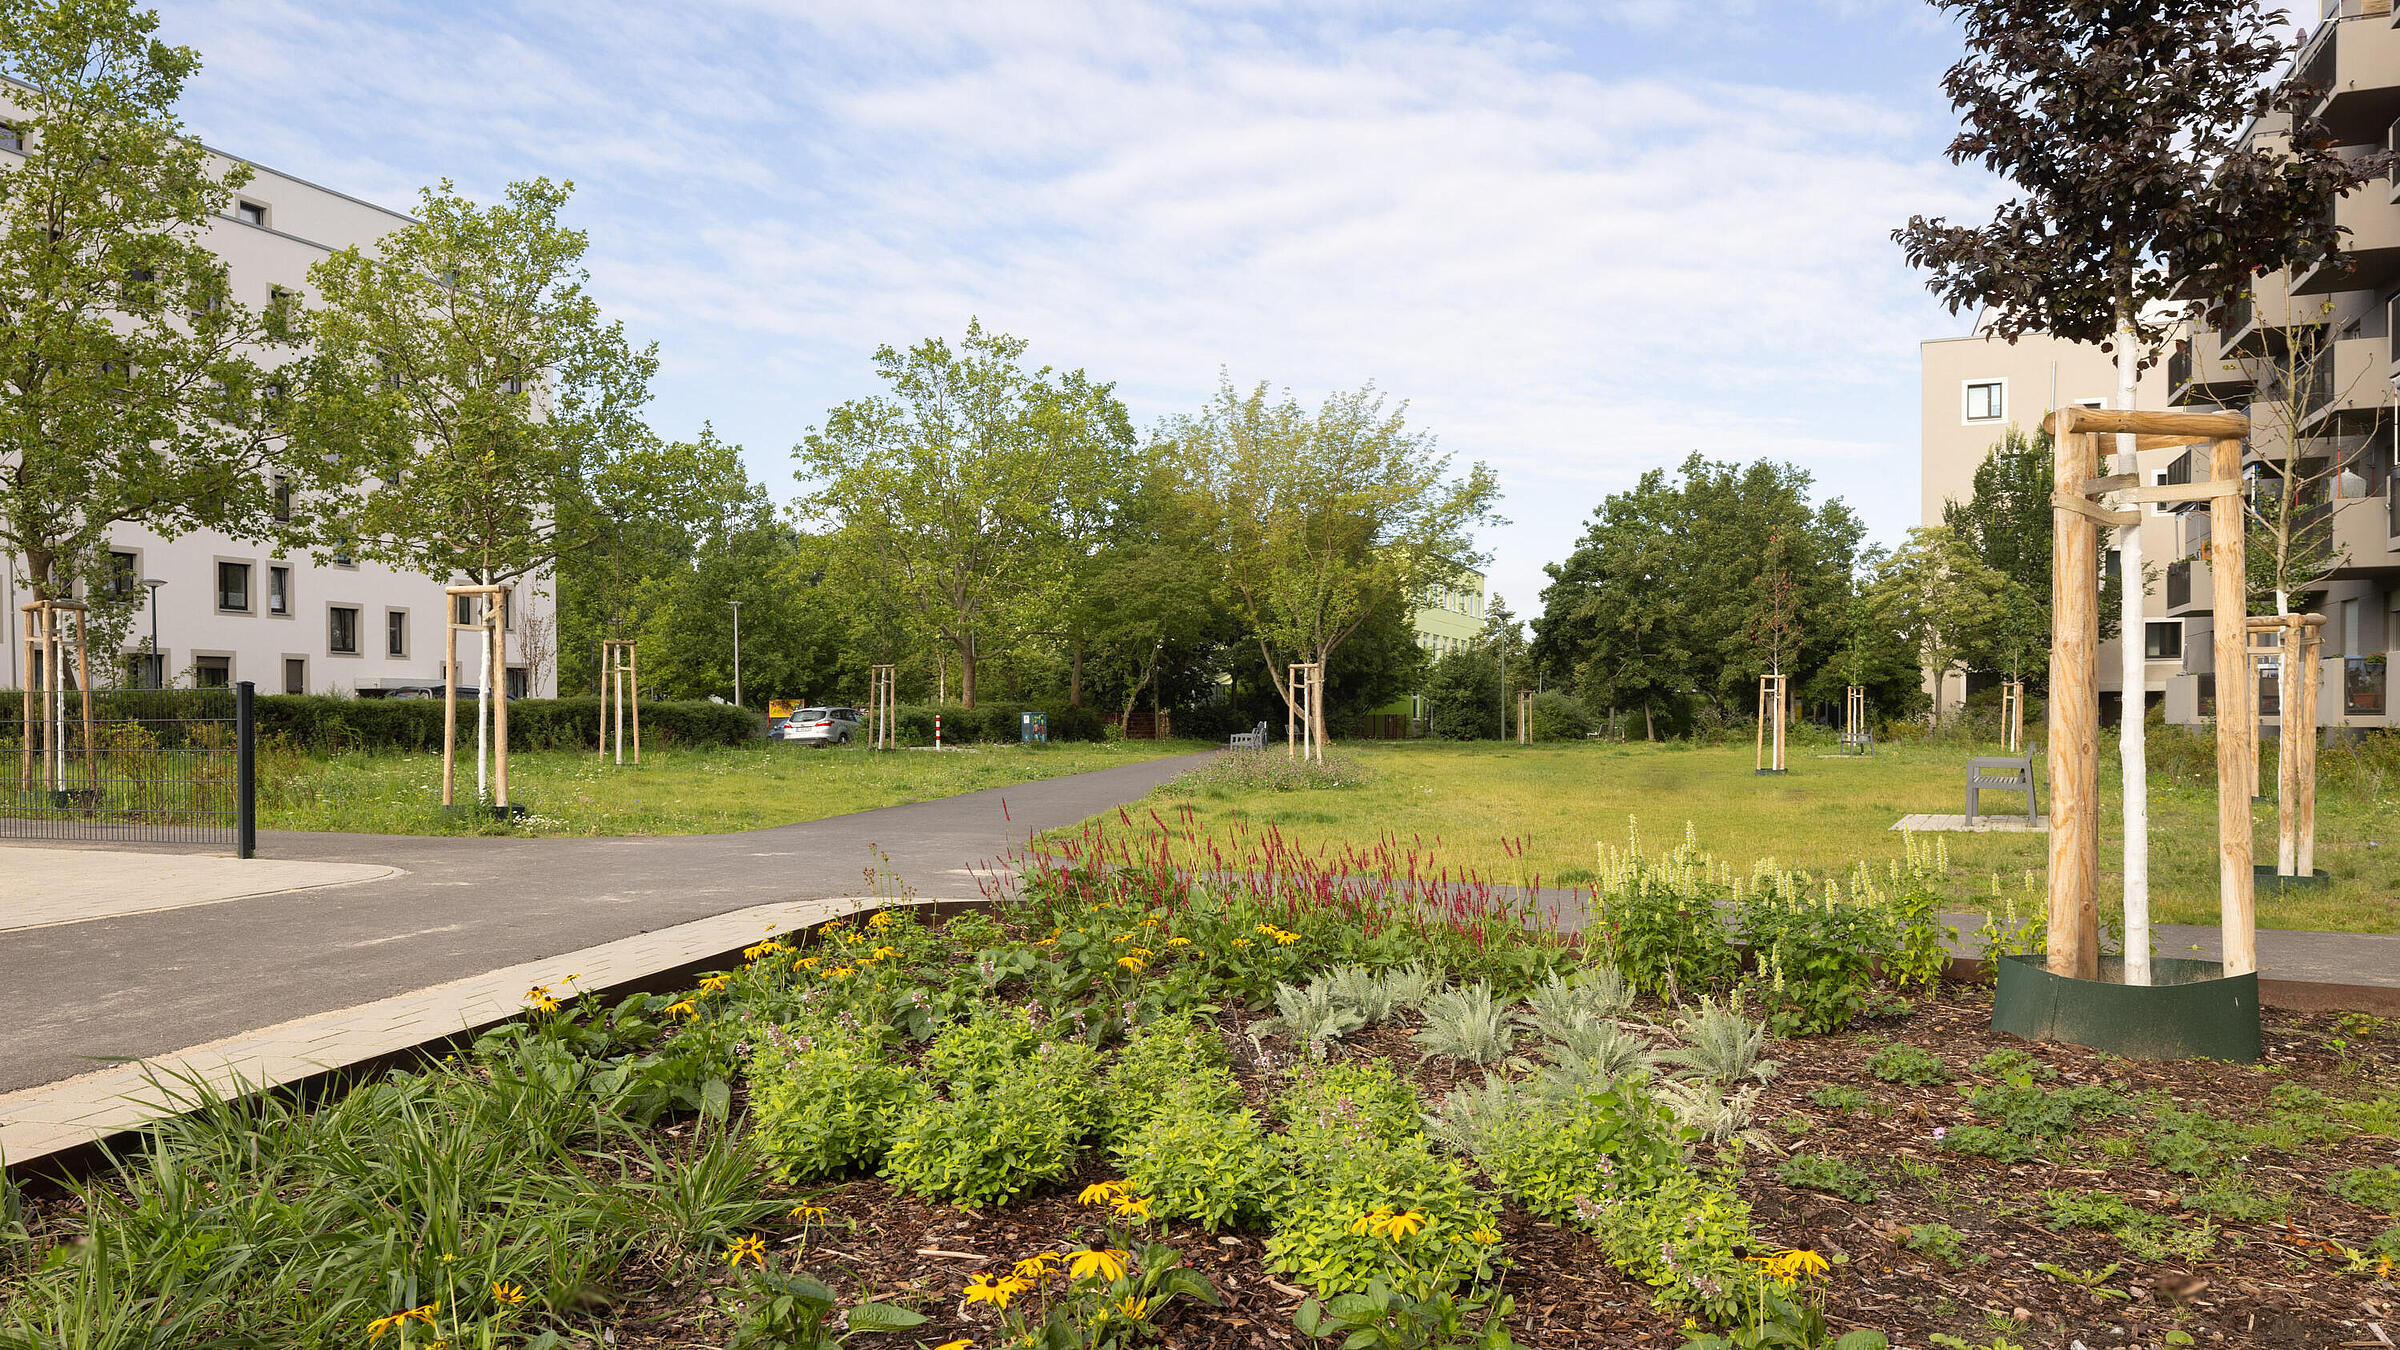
[[45, 695], [2012, 714], [883, 685], [2299, 649], [1774, 693], [1857, 735], [620, 685], [1524, 710], [493, 626], [1304, 712], [2074, 703]]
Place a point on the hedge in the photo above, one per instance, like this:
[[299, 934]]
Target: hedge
[[990, 724], [321, 723]]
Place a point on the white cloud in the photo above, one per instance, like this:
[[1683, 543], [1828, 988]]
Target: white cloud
[[1571, 271]]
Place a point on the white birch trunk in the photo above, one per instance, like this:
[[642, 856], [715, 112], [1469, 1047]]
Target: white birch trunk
[[2131, 645]]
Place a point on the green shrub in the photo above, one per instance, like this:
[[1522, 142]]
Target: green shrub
[[1684, 1237], [974, 1053], [1558, 717], [823, 1099], [1842, 1097], [2375, 1188], [1822, 1172], [1346, 1173], [1330, 1098], [1462, 697], [1240, 771], [1937, 1240], [985, 1145], [1669, 942], [1178, 1056], [321, 723], [1914, 1065], [1548, 1153], [1194, 1160]]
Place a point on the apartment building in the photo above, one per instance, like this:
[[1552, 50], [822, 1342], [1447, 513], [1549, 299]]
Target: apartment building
[[227, 609], [2311, 357], [1449, 614], [1974, 390]]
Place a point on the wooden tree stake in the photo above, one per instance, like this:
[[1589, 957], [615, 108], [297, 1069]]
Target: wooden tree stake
[[2237, 720], [2074, 931]]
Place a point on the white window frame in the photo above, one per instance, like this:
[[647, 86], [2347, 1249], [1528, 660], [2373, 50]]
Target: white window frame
[[1966, 408], [267, 592]]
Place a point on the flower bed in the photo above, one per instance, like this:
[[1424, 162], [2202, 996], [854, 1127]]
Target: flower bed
[[1126, 1109]]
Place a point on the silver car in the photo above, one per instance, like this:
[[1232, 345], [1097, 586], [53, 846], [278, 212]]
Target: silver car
[[820, 726]]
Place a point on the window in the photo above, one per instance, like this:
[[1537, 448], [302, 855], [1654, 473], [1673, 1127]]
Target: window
[[148, 669], [250, 213], [295, 674], [1987, 400], [2163, 640], [212, 672], [341, 553], [2161, 508], [12, 138], [395, 632], [516, 681], [122, 568], [341, 630], [233, 587], [279, 590], [2115, 566], [465, 609], [283, 497]]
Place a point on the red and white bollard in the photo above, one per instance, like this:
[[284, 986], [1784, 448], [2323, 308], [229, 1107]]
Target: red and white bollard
[[937, 731]]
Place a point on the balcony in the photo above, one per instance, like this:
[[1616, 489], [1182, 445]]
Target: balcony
[[2362, 686], [2209, 379], [2370, 248], [2354, 64], [2254, 320], [2345, 388], [2179, 585], [2361, 539]]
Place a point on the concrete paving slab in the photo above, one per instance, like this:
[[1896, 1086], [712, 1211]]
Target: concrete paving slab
[[41, 1121], [40, 887]]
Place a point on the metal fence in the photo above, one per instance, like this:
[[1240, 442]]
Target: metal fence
[[147, 766]]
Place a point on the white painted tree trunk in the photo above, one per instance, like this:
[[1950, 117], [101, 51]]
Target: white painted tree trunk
[[2133, 703], [483, 704]]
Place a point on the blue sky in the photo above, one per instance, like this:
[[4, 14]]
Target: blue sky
[[1581, 239]]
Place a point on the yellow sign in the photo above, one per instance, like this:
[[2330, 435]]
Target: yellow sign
[[783, 707]]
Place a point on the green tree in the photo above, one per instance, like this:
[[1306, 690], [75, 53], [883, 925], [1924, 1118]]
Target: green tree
[[464, 367], [136, 388], [1955, 609], [1658, 606], [1323, 521], [1462, 696], [958, 492]]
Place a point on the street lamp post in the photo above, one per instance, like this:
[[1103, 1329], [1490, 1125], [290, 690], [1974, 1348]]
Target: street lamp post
[[158, 667], [737, 653]]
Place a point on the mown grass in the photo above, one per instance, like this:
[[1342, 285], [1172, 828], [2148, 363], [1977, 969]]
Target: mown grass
[[696, 791], [1515, 813]]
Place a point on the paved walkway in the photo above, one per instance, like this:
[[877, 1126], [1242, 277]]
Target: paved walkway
[[75, 995], [39, 1121], [44, 886]]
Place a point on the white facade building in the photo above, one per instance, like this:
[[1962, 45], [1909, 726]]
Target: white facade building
[[233, 609]]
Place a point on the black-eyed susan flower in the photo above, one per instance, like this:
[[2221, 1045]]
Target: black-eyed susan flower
[[751, 1249], [507, 1294], [1107, 1263], [395, 1321]]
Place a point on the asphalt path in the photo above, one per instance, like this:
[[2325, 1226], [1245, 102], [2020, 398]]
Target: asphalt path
[[75, 996]]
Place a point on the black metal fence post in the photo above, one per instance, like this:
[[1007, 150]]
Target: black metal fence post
[[245, 770]]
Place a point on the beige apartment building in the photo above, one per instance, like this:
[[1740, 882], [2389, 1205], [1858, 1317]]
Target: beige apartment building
[[2311, 357], [229, 609], [1974, 390]]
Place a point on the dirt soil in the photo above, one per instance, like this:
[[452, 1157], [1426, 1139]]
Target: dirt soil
[[2264, 1285]]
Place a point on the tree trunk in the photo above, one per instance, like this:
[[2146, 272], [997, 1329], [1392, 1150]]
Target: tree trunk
[[2134, 678], [1075, 678], [1649, 731], [966, 670]]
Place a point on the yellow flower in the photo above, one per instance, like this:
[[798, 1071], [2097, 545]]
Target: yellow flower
[[1286, 939], [1797, 1263], [882, 953], [1370, 1222], [1179, 942], [1241, 942], [683, 1009], [956, 1345], [1035, 1267], [770, 947], [808, 1213], [539, 997], [507, 1293], [838, 972], [1139, 951], [1130, 962], [1147, 923], [1268, 929], [1104, 1193], [1485, 1236], [1047, 942], [380, 1325], [879, 918], [713, 983], [805, 963], [1130, 1208], [752, 1249], [1108, 1263], [1132, 1307], [984, 1289]]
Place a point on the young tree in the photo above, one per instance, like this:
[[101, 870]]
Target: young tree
[[1322, 520], [2121, 125], [137, 389], [1461, 692], [959, 487]]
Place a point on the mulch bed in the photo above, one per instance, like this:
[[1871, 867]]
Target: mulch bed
[[2259, 1286]]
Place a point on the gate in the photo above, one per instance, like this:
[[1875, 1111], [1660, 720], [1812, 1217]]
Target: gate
[[130, 766]]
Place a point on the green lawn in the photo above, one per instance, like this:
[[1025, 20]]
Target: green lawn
[[669, 792], [1511, 812]]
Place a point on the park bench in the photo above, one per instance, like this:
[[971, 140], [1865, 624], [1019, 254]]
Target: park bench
[[2006, 773], [1255, 739]]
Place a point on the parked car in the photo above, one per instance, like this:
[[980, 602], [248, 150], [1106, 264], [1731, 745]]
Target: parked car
[[820, 726]]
